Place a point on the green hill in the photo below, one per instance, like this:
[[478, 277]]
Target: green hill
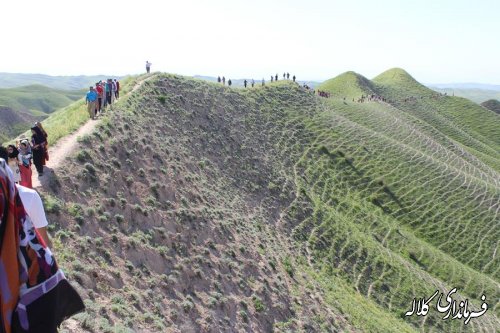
[[492, 105], [38, 98], [349, 85], [14, 122], [203, 208]]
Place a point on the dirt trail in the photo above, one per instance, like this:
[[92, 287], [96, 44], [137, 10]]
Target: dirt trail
[[67, 145]]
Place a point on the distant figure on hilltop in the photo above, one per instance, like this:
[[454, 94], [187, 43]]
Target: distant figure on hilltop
[[284, 76], [288, 76], [276, 77], [253, 83], [245, 83], [148, 66], [223, 80], [218, 79], [229, 82], [263, 82], [272, 78], [294, 78]]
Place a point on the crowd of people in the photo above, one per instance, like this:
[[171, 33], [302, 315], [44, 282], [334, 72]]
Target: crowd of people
[[103, 95], [246, 83], [25, 152]]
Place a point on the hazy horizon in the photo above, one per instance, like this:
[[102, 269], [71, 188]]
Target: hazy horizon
[[449, 41]]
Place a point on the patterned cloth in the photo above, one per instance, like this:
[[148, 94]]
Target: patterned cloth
[[34, 293]]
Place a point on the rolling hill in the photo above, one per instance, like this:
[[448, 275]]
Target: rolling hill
[[14, 122], [22, 106], [201, 208], [12, 80], [493, 105]]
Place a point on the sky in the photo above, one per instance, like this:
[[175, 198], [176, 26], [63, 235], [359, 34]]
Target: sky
[[438, 41]]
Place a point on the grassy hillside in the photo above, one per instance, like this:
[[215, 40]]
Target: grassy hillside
[[349, 84], [204, 208], [13, 122], [38, 98], [12, 80], [493, 105]]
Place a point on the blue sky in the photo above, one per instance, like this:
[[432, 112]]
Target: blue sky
[[435, 41]]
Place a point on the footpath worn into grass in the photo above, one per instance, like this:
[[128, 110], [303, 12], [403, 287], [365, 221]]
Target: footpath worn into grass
[[205, 208], [62, 143]]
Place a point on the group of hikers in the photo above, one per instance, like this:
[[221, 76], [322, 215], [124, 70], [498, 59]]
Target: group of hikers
[[286, 76], [105, 93], [27, 152]]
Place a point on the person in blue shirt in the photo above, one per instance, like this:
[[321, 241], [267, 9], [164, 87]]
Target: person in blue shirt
[[90, 101]]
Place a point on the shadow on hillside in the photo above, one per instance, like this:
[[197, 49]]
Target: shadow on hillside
[[49, 180]]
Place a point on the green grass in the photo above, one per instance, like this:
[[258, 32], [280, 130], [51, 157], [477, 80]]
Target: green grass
[[38, 98], [358, 206]]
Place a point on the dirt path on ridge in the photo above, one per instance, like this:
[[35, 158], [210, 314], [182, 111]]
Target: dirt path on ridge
[[68, 144]]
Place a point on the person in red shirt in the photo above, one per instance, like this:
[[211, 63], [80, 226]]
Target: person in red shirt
[[99, 90]]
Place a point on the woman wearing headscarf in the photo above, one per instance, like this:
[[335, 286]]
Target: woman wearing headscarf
[[45, 135], [25, 163], [14, 162], [35, 296], [38, 143]]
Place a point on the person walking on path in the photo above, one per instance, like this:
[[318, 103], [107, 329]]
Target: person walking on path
[[45, 135], [13, 161], [109, 93], [100, 94], [25, 163], [38, 143], [148, 66], [117, 91], [90, 101]]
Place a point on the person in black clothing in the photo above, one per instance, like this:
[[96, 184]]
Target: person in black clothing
[[288, 76], [245, 83], [276, 77], [38, 143], [229, 82], [223, 80], [218, 79], [294, 78], [253, 83]]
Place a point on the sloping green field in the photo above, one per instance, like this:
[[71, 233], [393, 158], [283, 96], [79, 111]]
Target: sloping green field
[[278, 201]]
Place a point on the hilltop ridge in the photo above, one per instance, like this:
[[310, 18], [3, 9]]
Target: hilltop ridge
[[203, 207], [349, 84]]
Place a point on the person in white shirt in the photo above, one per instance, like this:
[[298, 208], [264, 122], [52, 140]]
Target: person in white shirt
[[34, 208]]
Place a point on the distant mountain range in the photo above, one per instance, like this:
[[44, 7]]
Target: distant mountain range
[[10, 80], [482, 86]]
